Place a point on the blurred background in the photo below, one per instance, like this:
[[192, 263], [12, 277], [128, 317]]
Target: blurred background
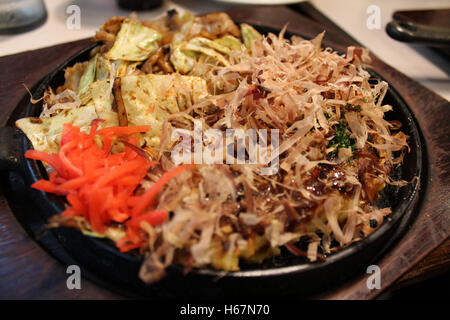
[[419, 62]]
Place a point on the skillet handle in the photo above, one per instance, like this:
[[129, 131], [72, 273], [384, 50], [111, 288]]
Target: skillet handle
[[10, 153], [406, 31]]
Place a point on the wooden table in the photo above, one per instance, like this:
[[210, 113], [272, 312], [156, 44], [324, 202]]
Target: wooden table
[[27, 271]]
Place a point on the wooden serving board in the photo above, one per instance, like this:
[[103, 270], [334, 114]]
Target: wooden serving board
[[29, 272]]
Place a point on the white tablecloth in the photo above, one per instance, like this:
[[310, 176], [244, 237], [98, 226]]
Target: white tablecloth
[[421, 64]]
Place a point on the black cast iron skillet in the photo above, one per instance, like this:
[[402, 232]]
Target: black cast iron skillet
[[282, 276]]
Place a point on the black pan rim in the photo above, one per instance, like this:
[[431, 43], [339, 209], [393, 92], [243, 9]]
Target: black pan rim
[[407, 203]]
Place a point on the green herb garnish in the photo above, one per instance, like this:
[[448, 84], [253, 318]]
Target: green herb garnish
[[341, 138]]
